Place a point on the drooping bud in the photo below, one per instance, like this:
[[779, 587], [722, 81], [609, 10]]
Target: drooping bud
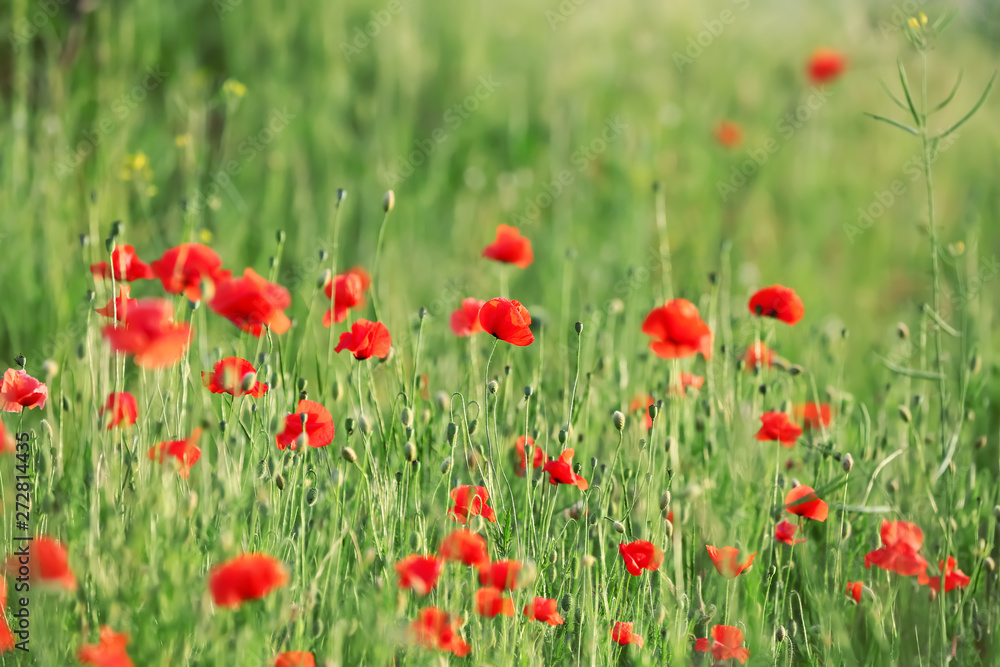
[[780, 634], [452, 432], [446, 466], [406, 416], [473, 426]]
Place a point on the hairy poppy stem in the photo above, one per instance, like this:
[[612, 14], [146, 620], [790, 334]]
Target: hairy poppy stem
[[333, 284], [375, 264]]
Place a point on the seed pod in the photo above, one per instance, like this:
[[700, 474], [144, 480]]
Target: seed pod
[[349, 425], [618, 419], [406, 416], [473, 426], [452, 432], [652, 412], [446, 466], [847, 463], [492, 386], [349, 455], [410, 452], [279, 481], [980, 442], [905, 414]]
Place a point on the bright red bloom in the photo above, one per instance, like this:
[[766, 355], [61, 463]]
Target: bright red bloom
[[118, 307], [544, 611], [726, 643], [122, 408], [776, 426], [507, 320], [366, 339], [726, 561], [110, 652], [150, 334], [252, 303], [7, 443], [491, 603], [901, 541], [419, 573], [642, 403], [622, 633], [350, 293], [125, 265], [465, 320], [826, 65], [728, 134], [6, 636], [953, 577], [813, 415], [561, 471], [677, 331], [48, 564], [854, 590], [317, 425], [510, 247], [785, 532], [19, 390], [687, 380], [471, 501], [464, 546], [501, 574], [186, 452], [758, 353], [538, 457], [640, 555], [244, 578], [435, 629], [295, 659], [803, 501], [229, 376], [778, 302], [185, 267]]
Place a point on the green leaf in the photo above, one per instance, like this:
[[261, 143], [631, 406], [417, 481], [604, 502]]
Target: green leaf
[[969, 115], [892, 122], [906, 90], [895, 99], [951, 95]]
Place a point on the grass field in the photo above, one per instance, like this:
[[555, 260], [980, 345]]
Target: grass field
[[271, 133]]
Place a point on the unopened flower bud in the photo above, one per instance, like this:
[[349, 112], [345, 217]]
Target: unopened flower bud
[[618, 419], [847, 463], [619, 528], [473, 426], [664, 500], [388, 201], [668, 443], [990, 564], [279, 481], [905, 414], [410, 452], [492, 386], [563, 435], [442, 400], [779, 634], [446, 466], [452, 432], [528, 391], [248, 381], [349, 455], [980, 442], [364, 425], [312, 496], [975, 364], [349, 425], [337, 391], [579, 327], [406, 416], [323, 280], [902, 331], [652, 412]]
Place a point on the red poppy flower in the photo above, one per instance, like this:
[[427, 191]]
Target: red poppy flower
[[622, 633], [233, 376], [186, 452], [419, 573], [728, 134], [19, 390], [507, 320], [640, 403], [538, 457], [471, 501], [366, 339], [640, 555], [501, 574], [758, 354], [465, 320], [726, 643], [544, 611], [491, 603], [311, 418], [510, 247], [244, 578], [122, 408], [150, 334], [785, 532], [118, 307], [125, 265], [110, 652], [726, 561], [47, 563], [561, 471], [854, 590], [826, 65], [435, 629], [464, 546], [776, 426], [779, 302], [803, 501], [901, 541], [677, 331], [185, 267], [953, 577], [252, 303], [295, 659], [813, 415], [6, 636], [350, 293], [7, 443]]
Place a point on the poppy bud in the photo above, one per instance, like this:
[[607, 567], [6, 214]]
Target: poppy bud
[[794, 370], [579, 328], [652, 412], [222, 425], [109, 244], [619, 528], [410, 452], [452, 432], [349, 455], [618, 419], [668, 528], [425, 416], [341, 194], [349, 425], [388, 201], [84, 240], [779, 634], [279, 481], [263, 469], [902, 331], [980, 442], [409, 432], [446, 466], [588, 561], [665, 500], [473, 426], [905, 414], [279, 236], [553, 557], [970, 415], [312, 495], [248, 381], [578, 614], [566, 603], [442, 400], [323, 280], [337, 391], [990, 564], [492, 386], [892, 487], [562, 436], [364, 425], [668, 443], [415, 541], [528, 391], [847, 463], [406, 416], [976, 364]]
